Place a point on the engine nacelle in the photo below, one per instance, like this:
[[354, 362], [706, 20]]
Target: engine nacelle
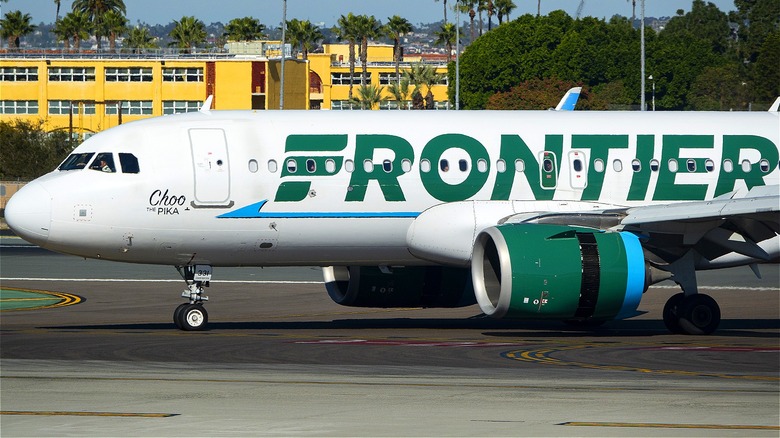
[[410, 286], [538, 271]]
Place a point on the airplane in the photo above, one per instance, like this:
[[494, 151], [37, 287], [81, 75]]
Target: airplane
[[569, 100], [561, 215]]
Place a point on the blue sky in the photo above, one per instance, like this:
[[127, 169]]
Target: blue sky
[[269, 12]]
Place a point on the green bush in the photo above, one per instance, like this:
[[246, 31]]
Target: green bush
[[27, 151]]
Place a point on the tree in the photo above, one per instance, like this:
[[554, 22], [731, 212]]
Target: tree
[[422, 75], [534, 94], [718, 89], [14, 26], [504, 8], [57, 15], [468, 7], [138, 39], [348, 30], [187, 33], [446, 35], [395, 28], [766, 74], [244, 29], [114, 25], [400, 91], [368, 28], [369, 96], [96, 9], [445, 9], [304, 35], [704, 22], [75, 26], [27, 151]]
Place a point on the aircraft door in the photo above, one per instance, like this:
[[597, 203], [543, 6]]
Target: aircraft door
[[212, 167], [548, 170]]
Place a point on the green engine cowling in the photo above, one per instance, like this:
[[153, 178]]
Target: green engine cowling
[[540, 271], [408, 286]]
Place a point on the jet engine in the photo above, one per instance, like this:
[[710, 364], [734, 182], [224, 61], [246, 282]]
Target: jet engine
[[409, 286], [540, 271]]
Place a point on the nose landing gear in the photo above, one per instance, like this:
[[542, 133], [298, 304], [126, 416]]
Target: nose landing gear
[[191, 316]]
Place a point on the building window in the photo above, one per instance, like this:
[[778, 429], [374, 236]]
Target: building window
[[18, 107], [387, 78], [189, 74], [71, 74], [445, 105], [343, 78], [180, 106], [18, 74], [132, 107], [343, 105], [62, 107], [128, 74]]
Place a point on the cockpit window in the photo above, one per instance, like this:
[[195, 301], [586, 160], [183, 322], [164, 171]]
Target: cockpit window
[[129, 163], [104, 162], [76, 161]]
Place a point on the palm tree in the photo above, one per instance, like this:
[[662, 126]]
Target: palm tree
[[368, 28], [114, 25], [347, 30], [538, 7], [469, 7], [422, 75], [14, 26], [139, 38], [244, 29], [400, 91], [395, 28], [57, 17], [369, 96], [445, 9], [187, 33], [504, 8], [303, 34], [446, 36], [96, 9], [74, 25], [481, 7]]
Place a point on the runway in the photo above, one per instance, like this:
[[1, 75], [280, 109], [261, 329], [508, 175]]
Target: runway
[[280, 359]]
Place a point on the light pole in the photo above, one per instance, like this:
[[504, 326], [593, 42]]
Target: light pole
[[284, 25], [653, 80], [457, 56], [642, 49]]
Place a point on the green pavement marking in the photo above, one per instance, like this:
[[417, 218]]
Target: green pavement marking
[[12, 299]]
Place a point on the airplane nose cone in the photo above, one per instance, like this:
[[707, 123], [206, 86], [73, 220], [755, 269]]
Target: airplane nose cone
[[28, 213]]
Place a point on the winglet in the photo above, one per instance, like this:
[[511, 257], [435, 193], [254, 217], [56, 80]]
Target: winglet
[[775, 106], [569, 100], [206, 106]]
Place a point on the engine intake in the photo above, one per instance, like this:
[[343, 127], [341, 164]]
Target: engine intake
[[539, 271]]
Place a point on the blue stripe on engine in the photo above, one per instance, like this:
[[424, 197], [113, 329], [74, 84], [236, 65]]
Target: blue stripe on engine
[[253, 211], [635, 283]]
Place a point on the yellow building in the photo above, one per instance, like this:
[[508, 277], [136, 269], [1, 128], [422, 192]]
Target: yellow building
[[329, 76], [85, 93]]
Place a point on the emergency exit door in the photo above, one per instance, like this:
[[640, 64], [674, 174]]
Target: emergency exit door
[[211, 167]]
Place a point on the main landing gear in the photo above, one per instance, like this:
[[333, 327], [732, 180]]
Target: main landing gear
[[690, 312], [192, 315]]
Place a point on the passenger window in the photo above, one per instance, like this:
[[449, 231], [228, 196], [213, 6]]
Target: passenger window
[[129, 163], [253, 167], [463, 165], [104, 162], [764, 165], [368, 166], [519, 166], [444, 165], [636, 165], [387, 166], [598, 165], [728, 166], [746, 166], [272, 166], [406, 165], [709, 165], [691, 163], [654, 165], [482, 165], [617, 165], [349, 166], [425, 166], [76, 161], [311, 166], [330, 165], [673, 166], [501, 166], [292, 166]]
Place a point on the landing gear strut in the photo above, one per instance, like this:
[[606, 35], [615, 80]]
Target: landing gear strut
[[192, 315]]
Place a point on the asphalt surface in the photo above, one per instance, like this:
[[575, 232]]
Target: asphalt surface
[[280, 359]]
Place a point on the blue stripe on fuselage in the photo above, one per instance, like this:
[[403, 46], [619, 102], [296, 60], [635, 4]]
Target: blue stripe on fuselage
[[253, 211]]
